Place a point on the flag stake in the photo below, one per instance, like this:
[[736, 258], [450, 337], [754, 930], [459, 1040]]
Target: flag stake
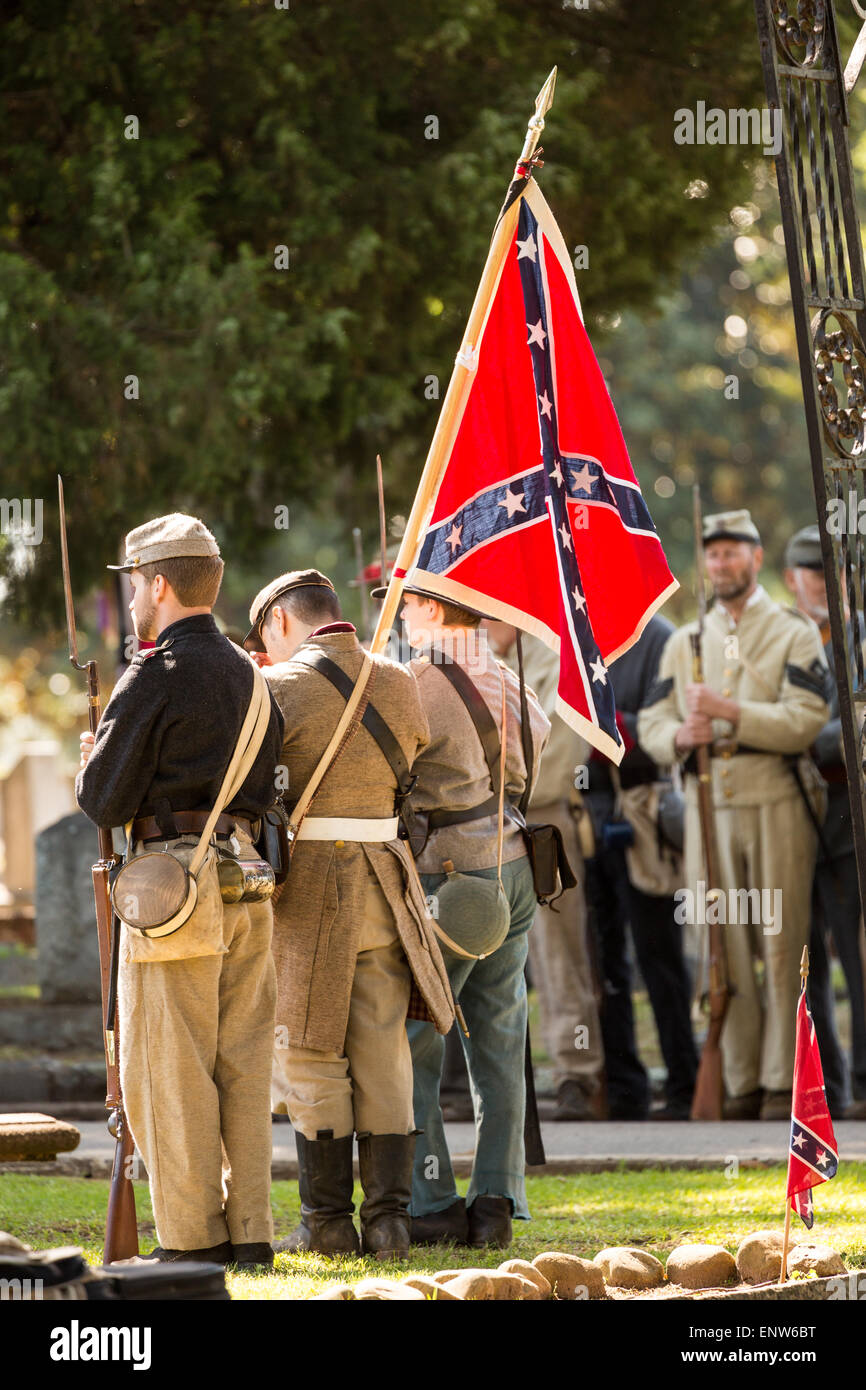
[[783, 1272], [461, 377]]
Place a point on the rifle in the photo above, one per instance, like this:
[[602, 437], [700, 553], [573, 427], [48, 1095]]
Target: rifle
[[709, 1090], [121, 1231]]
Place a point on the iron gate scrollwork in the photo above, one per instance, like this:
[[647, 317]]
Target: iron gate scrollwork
[[806, 92]]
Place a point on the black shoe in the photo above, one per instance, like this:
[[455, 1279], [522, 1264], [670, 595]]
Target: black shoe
[[626, 1113], [385, 1162], [574, 1101], [247, 1259], [671, 1112], [747, 1107], [214, 1255], [325, 1182], [490, 1222], [448, 1227]]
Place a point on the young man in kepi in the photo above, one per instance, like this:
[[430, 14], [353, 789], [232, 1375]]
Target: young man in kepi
[[456, 789], [196, 1007], [351, 931]]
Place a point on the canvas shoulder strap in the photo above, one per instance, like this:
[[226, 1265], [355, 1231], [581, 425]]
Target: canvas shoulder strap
[[525, 730], [476, 706], [372, 720]]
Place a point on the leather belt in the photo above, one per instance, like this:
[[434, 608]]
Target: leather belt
[[439, 819], [190, 823], [348, 828]]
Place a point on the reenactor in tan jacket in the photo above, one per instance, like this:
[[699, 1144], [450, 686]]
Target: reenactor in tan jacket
[[351, 931], [761, 706], [456, 792]]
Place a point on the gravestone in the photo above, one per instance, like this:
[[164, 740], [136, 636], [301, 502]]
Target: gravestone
[[68, 952]]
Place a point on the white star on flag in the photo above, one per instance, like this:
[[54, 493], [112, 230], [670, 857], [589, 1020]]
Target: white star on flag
[[527, 248], [800, 1139], [566, 537], [454, 539], [556, 475], [822, 1158], [536, 334], [579, 600], [546, 405], [599, 670], [513, 502], [582, 477]]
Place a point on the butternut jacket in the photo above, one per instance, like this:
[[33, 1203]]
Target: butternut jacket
[[317, 919], [773, 664], [453, 773]]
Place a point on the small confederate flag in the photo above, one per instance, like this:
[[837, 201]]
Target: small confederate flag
[[813, 1157], [538, 519]]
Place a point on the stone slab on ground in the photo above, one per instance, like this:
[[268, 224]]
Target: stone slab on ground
[[571, 1148]]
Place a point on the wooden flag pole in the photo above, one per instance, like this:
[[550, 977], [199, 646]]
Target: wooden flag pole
[[783, 1271], [460, 383], [383, 529]]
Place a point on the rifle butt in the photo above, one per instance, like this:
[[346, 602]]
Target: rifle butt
[[709, 1090], [121, 1228]]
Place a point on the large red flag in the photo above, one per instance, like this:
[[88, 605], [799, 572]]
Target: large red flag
[[813, 1157], [538, 518]]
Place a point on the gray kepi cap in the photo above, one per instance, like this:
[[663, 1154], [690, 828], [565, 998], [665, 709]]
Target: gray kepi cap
[[294, 579], [731, 526], [803, 550]]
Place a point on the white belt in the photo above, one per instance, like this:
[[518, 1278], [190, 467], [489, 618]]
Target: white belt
[[342, 828]]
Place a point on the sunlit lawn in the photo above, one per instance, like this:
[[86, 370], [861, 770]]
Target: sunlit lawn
[[655, 1209]]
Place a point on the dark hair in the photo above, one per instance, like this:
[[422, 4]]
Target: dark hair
[[195, 579], [309, 603], [455, 616]]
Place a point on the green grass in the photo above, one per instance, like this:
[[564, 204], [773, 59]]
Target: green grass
[[655, 1209]]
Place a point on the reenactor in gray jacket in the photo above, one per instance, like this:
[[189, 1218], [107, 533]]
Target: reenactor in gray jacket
[[761, 706], [351, 931], [836, 892]]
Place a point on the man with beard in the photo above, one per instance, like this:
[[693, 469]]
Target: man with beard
[[196, 1006], [763, 702], [835, 892]]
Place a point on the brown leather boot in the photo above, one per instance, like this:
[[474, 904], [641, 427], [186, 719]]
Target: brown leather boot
[[448, 1227], [385, 1161], [490, 1222], [325, 1182]]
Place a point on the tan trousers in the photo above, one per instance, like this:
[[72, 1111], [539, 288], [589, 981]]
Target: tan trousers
[[561, 970], [368, 1086], [771, 848], [196, 1039]]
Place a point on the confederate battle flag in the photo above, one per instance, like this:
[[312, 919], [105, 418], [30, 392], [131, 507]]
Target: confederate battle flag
[[813, 1157], [538, 518]]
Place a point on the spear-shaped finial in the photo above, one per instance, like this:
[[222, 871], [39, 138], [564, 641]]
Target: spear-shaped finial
[[804, 964], [543, 103]]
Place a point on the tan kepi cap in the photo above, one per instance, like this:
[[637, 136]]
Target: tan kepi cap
[[803, 550], [295, 579], [731, 526], [167, 538]]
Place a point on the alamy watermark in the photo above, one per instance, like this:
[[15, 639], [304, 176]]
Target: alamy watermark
[[21, 519], [737, 126], [738, 906]]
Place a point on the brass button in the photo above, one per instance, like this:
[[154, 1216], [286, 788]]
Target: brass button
[[339, 844], [724, 771], [728, 671], [728, 791], [726, 754], [726, 692]]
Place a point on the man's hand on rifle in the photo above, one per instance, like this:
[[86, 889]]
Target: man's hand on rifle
[[701, 700], [697, 729], [86, 741]]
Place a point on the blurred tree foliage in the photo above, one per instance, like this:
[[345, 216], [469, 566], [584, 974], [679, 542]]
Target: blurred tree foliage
[[306, 128]]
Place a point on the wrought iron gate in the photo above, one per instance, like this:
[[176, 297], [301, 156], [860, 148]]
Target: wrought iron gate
[[806, 86]]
